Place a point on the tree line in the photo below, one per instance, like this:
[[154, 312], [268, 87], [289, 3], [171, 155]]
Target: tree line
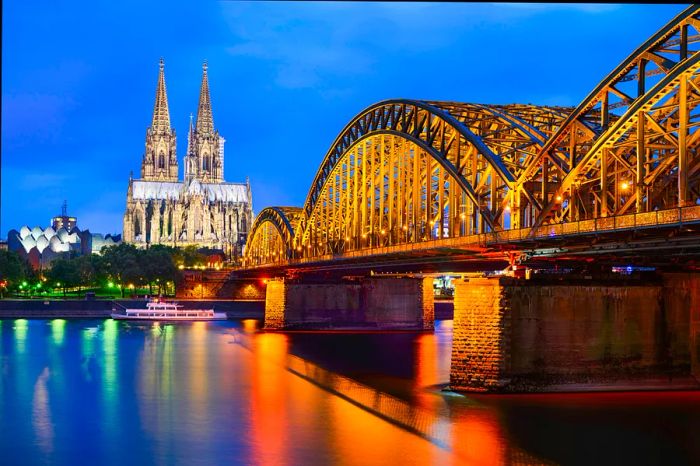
[[123, 266]]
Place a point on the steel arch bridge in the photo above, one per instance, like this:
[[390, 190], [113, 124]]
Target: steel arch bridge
[[409, 173]]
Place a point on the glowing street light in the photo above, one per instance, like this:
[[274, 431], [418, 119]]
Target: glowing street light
[[559, 198], [624, 186]]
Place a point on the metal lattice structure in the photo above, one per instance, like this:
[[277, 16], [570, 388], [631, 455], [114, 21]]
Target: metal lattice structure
[[272, 235], [404, 172]]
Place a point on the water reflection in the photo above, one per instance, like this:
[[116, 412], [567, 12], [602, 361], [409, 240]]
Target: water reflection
[[268, 417], [199, 382], [58, 331], [109, 425], [221, 393], [21, 328], [41, 413], [87, 351]]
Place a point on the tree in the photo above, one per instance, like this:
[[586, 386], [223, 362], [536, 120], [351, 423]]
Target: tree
[[12, 270], [188, 257], [64, 272], [159, 267], [121, 262]]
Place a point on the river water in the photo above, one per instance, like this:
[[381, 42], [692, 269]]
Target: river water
[[101, 392]]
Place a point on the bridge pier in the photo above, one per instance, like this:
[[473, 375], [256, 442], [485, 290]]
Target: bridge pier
[[379, 303], [524, 335]]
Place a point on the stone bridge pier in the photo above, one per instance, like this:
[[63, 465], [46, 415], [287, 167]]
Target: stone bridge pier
[[381, 303], [526, 335]]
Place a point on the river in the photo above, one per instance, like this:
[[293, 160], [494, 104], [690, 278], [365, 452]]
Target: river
[[101, 392]]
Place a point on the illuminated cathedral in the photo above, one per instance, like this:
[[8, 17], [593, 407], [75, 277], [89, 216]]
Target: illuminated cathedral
[[203, 210]]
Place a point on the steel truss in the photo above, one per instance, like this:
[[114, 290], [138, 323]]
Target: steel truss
[[408, 171]]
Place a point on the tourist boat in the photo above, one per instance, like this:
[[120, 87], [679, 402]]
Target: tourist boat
[[160, 310]]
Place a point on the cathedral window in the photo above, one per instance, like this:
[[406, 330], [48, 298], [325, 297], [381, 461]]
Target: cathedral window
[[161, 160], [205, 163]]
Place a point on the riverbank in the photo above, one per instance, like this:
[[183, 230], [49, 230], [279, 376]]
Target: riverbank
[[102, 308]]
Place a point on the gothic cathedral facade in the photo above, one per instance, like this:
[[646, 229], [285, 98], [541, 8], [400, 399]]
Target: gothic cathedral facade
[[203, 210]]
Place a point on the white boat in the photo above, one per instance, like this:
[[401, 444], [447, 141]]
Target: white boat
[[159, 310]]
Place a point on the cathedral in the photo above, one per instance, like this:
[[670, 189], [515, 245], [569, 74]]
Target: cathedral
[[203, 210]]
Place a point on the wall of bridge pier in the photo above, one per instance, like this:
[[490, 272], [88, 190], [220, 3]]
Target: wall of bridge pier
[[522, 335], [376, 303]]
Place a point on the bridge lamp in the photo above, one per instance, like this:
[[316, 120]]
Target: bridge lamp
[[347, 238], [559, 198], [299, 248], [383, 232], [405, 228], [462, 216], [624, 186], [507, 208], [364, 235], [432, 222]]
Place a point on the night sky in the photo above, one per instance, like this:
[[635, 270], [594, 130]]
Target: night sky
[[79, 79]]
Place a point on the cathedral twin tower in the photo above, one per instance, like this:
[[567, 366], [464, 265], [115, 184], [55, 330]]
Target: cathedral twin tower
[[203, 210]]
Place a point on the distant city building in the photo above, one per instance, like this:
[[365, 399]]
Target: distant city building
[[63, 220], [42, 245], [203, 210]]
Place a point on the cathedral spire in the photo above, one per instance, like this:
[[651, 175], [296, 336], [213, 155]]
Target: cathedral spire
[[161, 114], [189, 138], [205, 120]]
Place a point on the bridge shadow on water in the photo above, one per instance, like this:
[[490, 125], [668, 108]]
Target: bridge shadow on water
[[400, 378]]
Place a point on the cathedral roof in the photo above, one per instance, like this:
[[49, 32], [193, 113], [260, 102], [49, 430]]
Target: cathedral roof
[[226, 192], [156, 189]]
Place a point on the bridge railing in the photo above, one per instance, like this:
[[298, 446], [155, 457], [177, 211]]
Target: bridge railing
[[628, 222], [634, 221]]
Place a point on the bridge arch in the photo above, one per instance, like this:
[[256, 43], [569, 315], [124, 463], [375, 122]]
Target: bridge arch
[[565, 166], [271, 237], [475, 151]]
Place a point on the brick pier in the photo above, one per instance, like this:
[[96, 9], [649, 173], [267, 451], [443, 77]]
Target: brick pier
[[381, 303], [520, 335]]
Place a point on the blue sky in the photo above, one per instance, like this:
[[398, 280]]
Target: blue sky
[[78, 82]]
